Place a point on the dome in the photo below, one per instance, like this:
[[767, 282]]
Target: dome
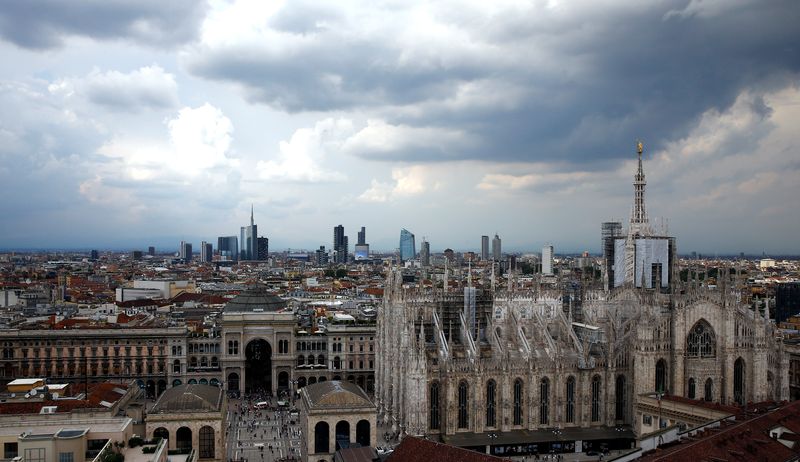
[[336, 394], [254, 301], [189, 398]]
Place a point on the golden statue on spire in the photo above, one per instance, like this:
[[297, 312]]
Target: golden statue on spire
[[639, 147]]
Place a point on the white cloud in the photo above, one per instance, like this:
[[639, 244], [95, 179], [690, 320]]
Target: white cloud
[[301, 158], [147, 87], [406, 182]]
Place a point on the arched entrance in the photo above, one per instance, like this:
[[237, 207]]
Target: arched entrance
[[183, 439], [233, 382], [258, 366], [161, 432], [151, 389], [162, 386], [283, 380], [362, 432], [342, 435]]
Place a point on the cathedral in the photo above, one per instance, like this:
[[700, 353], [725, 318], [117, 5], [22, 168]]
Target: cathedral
[[522, 372]]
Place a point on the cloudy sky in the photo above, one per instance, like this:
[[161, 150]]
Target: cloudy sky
[[134, 122]]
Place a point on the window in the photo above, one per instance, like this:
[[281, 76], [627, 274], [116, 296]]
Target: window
[[66, 457], [301, 360], [518, 402], [490, 403], [569, 415], [433, 403], [233, 347], [596, 398], [206, 442], [700, 341], [9, 450], [709, 390], [544, 402], [337, 363], [620, 391], [463, 405], [661, 376], [35, 455], [176, 366], [738, 381], [692, 387], [647, 419]]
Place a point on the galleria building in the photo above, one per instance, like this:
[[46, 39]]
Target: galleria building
[[476, 369]]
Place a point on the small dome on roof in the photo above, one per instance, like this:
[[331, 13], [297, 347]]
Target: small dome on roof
[[336, 394], [189, 398], [255, 300]]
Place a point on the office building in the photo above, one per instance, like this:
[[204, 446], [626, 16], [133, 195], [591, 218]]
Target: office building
[[484, 248], [93, 255], [496, 250], [136, 255], [151, 251], [321, 256], [610, 232], [547, 260], [408, 249], [339, 245], [249, 241], [361, 250], [205, 252], [228, 248], [362, 236], [425, 253], [185, 251], [263, 249]]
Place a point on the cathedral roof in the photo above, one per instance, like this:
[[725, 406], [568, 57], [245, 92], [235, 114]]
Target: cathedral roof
[[189, 398], [413, 449], [257, 299], [336, 394]]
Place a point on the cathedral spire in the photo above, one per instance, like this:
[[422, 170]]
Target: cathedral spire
[[639, 222]]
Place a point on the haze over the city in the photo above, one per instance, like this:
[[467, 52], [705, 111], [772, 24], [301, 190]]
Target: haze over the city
[[136, 123]]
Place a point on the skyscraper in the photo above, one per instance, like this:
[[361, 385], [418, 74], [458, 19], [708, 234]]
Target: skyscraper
[[249, 240], [321, 256], [151, 251], [228, 248], [547, 259], [484, 248], [496, 251], [408, 249], [362, 236], [93, 255], [425, 253], [339, 245], [361, 250], [263, 249], [185, 252], [610, 232], [206, 251]]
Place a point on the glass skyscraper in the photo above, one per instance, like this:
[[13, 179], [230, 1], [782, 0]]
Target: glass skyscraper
[[408, 249]]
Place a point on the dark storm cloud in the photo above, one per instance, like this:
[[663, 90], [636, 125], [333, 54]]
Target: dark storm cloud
[[580, 86], [43, 24]]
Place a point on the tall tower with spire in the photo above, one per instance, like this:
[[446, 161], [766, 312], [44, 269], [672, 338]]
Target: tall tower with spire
[[639, 225], [642, 257], [249, 239]]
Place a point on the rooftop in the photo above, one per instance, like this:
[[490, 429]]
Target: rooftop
[[256, 300], [336, 394], [189, 398]]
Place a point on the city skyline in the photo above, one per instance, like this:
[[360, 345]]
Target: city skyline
[[153, 123]]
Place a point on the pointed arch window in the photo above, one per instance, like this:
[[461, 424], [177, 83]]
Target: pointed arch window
[[620, 391], [709, 390], [518, 402], [463, 405], [569, 414], [700, 343], [596, 398], [692, 389], [491, 401], [544, 401], [433, 403]]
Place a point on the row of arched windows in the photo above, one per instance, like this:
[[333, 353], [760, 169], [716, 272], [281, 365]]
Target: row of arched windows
[[310, 360], [490, 418]]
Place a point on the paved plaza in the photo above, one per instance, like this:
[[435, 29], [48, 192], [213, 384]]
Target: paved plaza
[[271, 434]]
